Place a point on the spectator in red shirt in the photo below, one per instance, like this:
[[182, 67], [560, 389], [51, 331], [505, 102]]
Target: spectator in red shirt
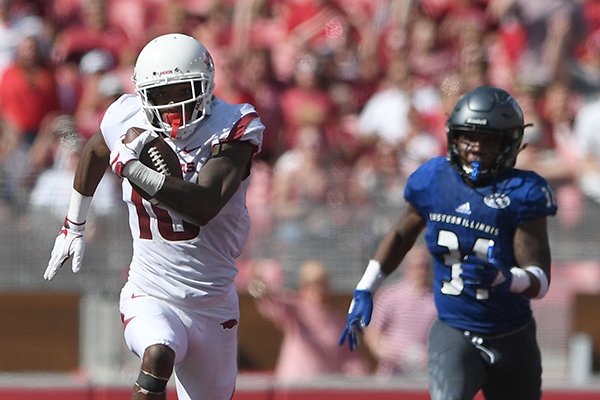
[[305, 101], [28, 98], [27, 91]]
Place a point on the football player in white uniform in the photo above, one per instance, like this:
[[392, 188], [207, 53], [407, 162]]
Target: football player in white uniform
[[179, 306]]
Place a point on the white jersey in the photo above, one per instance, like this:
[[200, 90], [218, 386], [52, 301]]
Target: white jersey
[[173, 259]]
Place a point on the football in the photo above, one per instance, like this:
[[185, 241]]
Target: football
[[156, 155]]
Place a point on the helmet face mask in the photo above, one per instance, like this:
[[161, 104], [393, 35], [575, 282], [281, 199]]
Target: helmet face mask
[[484, 132], [480, 155], [174, 79]]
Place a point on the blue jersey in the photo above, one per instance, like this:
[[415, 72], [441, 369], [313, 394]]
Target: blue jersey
[[460, 220]]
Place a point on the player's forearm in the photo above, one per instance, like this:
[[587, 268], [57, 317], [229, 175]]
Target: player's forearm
[[217, 182], [399, 241], [90, 170], [92, 165], [196, 203], [532, 253], [392, 250]]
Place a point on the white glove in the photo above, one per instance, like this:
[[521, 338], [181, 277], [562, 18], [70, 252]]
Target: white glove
[[124, 153], [68, 243]]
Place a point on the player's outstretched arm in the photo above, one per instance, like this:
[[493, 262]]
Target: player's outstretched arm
[[70, 242], [388, 257]]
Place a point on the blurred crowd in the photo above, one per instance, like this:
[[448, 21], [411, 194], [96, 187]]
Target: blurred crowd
[[354, 93]]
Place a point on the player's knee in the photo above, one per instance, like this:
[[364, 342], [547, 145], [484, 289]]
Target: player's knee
[[158, 360], [157, 366]]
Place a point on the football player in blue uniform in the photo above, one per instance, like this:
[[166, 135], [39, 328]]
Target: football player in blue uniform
[[486, 229]]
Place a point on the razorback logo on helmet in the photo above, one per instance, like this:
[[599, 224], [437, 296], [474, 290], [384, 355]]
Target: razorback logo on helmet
[[229, 324]]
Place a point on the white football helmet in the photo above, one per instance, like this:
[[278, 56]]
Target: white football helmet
[[174, 59]]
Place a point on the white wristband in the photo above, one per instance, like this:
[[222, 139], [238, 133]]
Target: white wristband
[[146, 178], [372, 278], [520, 280], [542, 277], [79, 206]]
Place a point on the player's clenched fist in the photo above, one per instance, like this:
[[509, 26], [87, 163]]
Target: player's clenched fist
[[126, 151], [68, 243]]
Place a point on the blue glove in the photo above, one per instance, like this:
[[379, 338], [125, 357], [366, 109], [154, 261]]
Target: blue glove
[[478, 272], [483, 273], [359, 316]]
